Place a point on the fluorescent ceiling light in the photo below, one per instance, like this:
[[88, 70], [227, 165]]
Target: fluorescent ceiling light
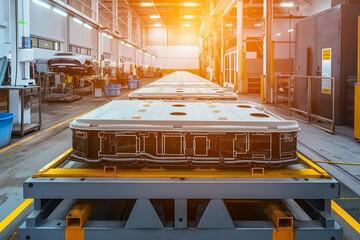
[[228, 24], [290, 30], [87, 26], [110, 37], [78, 20], [41, 3], [154, 16], [257, 24], [157, 25], [189, 4], [146, 4], [128, 45], [278, 34], [140, 50], [122, 42], [59, 11], [188, 16], [153, 56], [286, 4], [187, 25]]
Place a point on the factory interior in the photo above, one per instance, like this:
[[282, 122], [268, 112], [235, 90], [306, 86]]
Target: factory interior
[[180, 119]]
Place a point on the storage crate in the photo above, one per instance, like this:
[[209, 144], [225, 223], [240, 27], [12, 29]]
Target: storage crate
[[132, 83], [6, 120], [112, 90]]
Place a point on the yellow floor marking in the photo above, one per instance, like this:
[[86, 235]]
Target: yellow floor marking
[[341, 163], [344, 215], [9, 218]]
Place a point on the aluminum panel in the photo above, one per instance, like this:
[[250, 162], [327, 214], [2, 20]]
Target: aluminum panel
[[163, 133], [180, 93], [183, 116]]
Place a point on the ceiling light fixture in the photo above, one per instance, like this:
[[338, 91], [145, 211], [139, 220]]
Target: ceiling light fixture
[[189, 4], [228, 24], [78, 20], [257, 24], [122, 42], [110, 37], [157, 25], [87, 26], [104, 34], [41, 3], [61, 12], [291, 30], [187, 25], [188, 16], [140, 50], [154, 16], [286, 4], [146, 4], [278, 34], [128, 45]]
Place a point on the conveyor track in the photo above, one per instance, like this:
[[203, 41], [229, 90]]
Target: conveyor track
[[338, 167]]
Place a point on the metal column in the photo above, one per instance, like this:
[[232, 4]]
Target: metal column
[[268, 16], [357, 91], [239, 84]]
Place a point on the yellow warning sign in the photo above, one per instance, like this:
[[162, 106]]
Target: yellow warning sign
[[326, 54]]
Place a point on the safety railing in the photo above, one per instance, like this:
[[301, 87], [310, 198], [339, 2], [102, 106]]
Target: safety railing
[[305, 92]]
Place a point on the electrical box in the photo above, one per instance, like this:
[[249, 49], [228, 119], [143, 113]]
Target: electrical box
[[26, 42], [26, 55]]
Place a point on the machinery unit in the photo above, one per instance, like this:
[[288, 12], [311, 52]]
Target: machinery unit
[[335, 30], [170, 133]]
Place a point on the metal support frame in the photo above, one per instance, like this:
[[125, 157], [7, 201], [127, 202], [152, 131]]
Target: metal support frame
[[205, 206], [76, 219]]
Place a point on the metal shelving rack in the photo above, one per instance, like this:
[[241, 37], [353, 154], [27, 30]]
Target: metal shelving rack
[[26, 93]]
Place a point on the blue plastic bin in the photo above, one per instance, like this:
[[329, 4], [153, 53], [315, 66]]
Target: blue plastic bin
[[132, 83], [6, 120], [138, 83], [112, 90]]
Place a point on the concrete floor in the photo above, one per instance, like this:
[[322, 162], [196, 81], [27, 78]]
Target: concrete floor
[[35, 150]]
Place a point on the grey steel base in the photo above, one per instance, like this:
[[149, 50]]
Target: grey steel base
[[246, 233], [122, 188], [53, 198]]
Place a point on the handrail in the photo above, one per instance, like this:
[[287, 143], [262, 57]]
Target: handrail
[[309, 98]]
